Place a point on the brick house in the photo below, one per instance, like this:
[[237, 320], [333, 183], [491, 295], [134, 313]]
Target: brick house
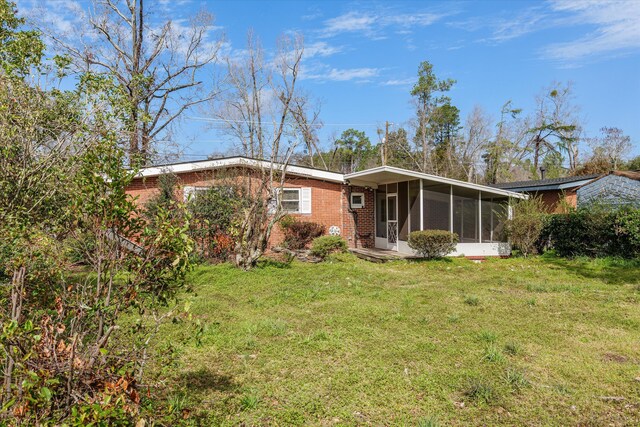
[[375, 208]]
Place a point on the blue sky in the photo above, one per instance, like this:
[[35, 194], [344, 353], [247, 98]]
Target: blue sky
[[362, 57]]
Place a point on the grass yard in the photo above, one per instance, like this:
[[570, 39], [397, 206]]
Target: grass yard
[[542, 341]]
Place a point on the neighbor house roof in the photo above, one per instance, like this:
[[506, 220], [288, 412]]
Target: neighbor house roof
[[635, 175], [547, 184], [389, 174], [239, 161]]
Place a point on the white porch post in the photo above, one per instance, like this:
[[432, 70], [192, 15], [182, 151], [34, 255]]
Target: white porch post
[[421, 207], [451, 208], [408, 208], [480, 216]]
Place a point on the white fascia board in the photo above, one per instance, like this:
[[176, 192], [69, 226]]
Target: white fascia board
[[552, 187], [362, 175], [239, 161]]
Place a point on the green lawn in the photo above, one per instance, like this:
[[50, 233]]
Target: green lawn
[[515, 342]]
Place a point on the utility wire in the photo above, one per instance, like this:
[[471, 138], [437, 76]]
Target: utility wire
[[263, 123]]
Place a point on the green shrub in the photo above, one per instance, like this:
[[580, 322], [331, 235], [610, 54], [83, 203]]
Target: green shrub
[[596, 231], [215, 214], [298, 234], [525, 227], [433, 243], [325, 245]]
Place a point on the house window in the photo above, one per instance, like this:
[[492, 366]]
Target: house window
[[295, 200], [190, 192], [357, 200], [290, 200]]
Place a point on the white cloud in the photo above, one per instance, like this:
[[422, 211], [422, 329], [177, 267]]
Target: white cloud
[[61, 17], [617, 29], [610, 27], [400, 82], [373, 24], [321, 49], [324, 73], [504, 28], [527, 22], [350, 22]]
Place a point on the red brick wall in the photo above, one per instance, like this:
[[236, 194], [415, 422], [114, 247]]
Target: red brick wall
[[326, 197], [362, 234], [552, 199], [329, 203]]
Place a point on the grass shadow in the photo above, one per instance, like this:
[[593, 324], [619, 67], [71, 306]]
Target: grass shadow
[[273, 263], [416, 260], [205, 380], [614, 271]]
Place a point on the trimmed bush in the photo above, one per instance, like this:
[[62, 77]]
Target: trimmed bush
[[298, 234], [325, 245], [433, 243]]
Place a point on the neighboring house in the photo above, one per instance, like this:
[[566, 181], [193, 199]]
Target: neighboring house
[[375, 208], [556, 193], [616, 188]]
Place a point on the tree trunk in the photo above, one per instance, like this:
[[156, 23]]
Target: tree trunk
[[17, 292]]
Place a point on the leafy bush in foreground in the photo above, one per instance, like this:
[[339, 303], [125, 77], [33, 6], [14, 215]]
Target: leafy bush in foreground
[[325, 245], [433, 243], [298, 234]]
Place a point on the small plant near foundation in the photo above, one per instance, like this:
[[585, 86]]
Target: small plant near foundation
[[325, 245]]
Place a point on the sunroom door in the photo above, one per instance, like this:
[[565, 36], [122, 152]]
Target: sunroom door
[[392, 222]]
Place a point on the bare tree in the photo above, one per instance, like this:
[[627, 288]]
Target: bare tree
[[556, 127], [474, 142], [155, 65], [612, 147], [265, 114], [505, 153]]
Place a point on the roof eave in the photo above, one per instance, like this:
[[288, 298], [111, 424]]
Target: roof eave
[[360, 177], [239, 162]]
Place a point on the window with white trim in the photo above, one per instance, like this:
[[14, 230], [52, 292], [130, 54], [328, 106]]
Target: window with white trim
[[290, 200], [190, 192], [295, 200], [357, 200]]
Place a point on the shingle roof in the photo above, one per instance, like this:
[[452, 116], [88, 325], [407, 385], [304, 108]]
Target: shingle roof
[[635, 175], [546, 182]]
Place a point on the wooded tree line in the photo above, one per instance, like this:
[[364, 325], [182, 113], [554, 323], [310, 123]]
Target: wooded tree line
[[515, 146], [160, 69]]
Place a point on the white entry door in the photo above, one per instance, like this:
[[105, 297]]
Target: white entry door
[[392, 222]]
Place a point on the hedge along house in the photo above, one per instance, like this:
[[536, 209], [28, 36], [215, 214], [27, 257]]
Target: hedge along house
[[375, 208], [407, 201]]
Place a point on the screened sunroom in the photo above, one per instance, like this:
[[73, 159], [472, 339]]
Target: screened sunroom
[[407, 201]]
